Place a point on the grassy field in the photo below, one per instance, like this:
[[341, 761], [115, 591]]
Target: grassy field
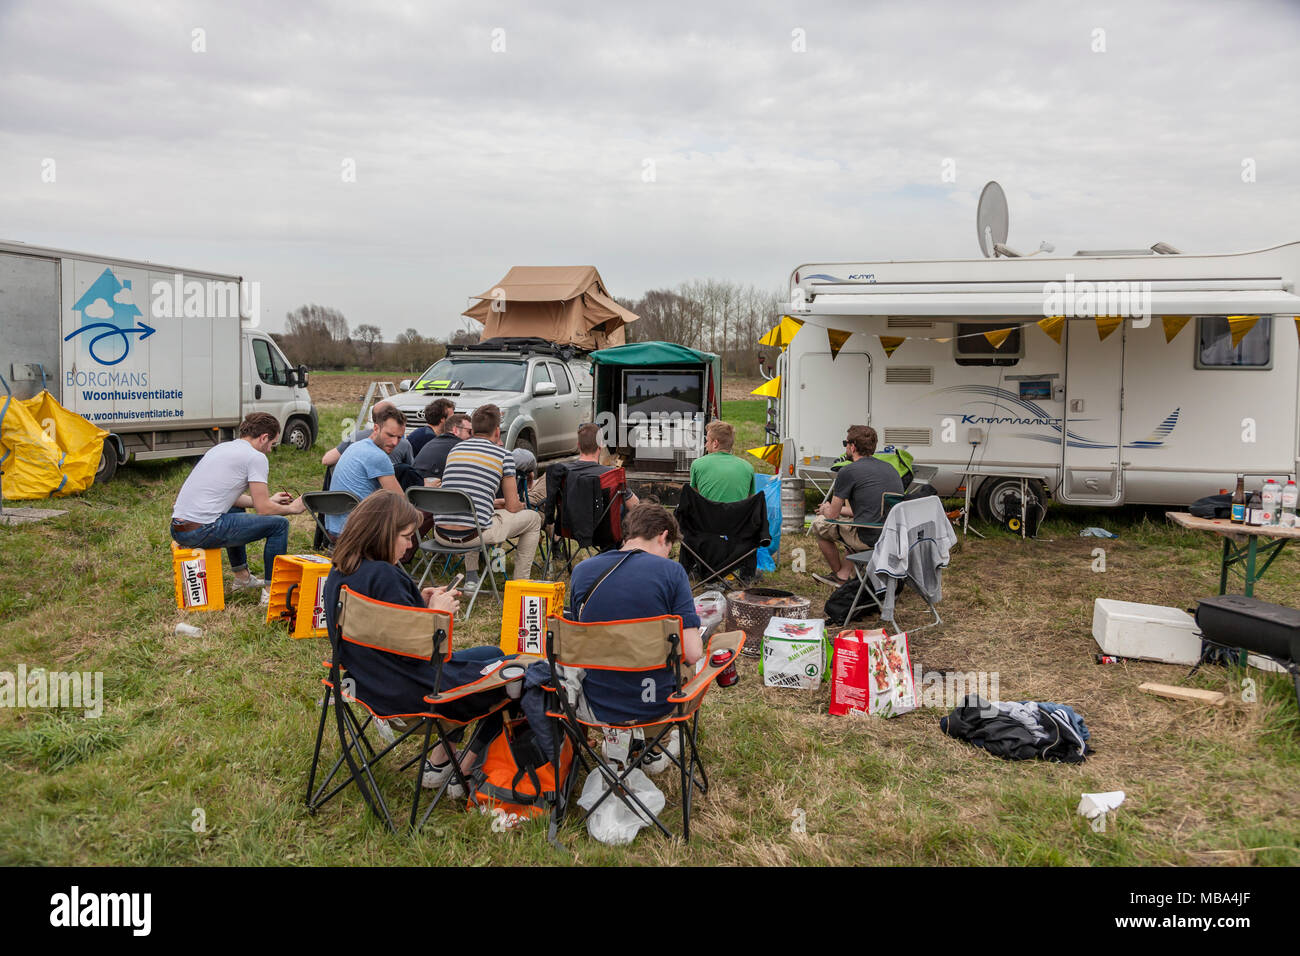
[[219, 727]]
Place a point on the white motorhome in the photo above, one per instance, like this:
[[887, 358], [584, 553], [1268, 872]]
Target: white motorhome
[[158, 356], [1126, 419]]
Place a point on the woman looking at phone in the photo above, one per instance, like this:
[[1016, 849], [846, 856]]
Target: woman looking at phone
[[379, 531]]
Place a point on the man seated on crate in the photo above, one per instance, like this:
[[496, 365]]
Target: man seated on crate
[[435, 423], [637, 581], [719, 475], [209, 511], [856, 497], [588, 463], [432, 458], [479, 466], [367, 465], [398, 454]]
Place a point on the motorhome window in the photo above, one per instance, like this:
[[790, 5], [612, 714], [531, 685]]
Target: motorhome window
[[561, 380], [478, 374], [970, 347], [1214, 344]]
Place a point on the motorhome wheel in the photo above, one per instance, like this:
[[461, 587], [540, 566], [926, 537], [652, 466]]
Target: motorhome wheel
[[999, 498]]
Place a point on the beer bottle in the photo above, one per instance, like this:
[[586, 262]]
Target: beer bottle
[[1239, 501]]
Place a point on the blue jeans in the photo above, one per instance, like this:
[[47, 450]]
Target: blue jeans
[[233, 530]]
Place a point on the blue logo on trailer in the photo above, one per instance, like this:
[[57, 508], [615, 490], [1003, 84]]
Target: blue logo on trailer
[[1008, 408], [108, 313]]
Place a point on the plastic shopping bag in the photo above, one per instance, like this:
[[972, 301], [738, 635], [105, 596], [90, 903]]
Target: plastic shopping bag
[[769, 486], [614, 822], [872, 674], [793, 653]]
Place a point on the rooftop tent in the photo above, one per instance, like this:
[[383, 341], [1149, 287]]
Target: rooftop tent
[[607, 362], [567, 305]]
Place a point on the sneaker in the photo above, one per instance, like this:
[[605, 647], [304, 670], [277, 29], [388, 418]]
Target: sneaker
[[831, 580], [434, 777], [657, 761], [265, 599], [238, 585], [470, 585]]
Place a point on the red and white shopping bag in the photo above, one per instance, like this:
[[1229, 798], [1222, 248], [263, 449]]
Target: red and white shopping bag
[[871, 673]]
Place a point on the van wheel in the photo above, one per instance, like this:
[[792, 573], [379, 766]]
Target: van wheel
[[298, 434], [107, 464], [999, 498], [526, 442]]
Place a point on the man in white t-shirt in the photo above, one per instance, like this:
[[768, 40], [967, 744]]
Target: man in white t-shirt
[[229, 478]]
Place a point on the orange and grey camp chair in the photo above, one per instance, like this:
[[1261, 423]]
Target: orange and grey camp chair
[[645, 645], [410, 632]]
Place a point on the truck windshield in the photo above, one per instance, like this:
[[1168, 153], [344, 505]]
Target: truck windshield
[[477, 374]]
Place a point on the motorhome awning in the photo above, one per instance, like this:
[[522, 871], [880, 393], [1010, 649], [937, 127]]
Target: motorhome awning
[[1031, 304]]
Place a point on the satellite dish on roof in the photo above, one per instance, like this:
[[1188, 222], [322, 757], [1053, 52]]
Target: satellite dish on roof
[[991, 219]]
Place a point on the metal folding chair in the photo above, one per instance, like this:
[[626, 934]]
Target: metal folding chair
[[453, 518], [322, 504]]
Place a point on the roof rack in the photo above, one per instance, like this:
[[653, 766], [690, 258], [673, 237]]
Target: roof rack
[[524, 346]]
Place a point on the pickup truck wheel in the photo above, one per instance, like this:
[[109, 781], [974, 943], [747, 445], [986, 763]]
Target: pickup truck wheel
[[298, 434], [107, 464], [526, 442]]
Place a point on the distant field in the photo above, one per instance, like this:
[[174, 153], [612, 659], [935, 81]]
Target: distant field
[[223, 723]]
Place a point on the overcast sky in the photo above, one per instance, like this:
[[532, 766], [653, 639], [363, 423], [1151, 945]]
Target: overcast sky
[[659, 142]]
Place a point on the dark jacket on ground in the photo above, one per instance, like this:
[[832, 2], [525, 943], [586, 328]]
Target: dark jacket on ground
[[989, 727]]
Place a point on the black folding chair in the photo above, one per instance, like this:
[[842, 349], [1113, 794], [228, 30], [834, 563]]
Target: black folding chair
[[588, 514], [721, 538], [322, 504]]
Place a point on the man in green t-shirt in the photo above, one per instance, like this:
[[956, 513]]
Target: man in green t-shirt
[[720, 475]]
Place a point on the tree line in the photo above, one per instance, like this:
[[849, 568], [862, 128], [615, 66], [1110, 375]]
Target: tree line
[[708, 314]]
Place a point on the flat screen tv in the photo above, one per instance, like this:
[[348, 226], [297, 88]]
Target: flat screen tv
[[661, 392]]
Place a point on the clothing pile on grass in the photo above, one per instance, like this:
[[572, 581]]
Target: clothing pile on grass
[[1020, 730]]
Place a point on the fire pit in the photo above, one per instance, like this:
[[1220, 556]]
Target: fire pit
[[751, 609]]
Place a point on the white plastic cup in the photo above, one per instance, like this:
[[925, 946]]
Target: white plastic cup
[[515, 689], [188, 630]]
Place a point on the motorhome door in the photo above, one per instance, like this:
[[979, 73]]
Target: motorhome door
[[1090, 430], [833, 394]]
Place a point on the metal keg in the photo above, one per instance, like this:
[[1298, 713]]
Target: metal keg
[[792, 505]]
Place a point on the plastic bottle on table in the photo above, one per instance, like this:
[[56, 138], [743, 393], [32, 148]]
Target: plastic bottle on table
[[1289, 495], [1271, 502]]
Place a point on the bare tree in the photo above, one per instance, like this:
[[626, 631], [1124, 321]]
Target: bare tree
[[369, 337]]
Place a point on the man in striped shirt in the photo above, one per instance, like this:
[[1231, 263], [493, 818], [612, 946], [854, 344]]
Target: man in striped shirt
[[479, 466]]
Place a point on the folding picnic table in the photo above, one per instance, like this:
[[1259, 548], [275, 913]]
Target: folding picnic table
[[1241, 545]]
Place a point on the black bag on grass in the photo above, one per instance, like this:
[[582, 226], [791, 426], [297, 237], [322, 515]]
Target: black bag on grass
[[837, 605]]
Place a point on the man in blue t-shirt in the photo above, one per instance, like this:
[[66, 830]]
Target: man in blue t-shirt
[[643, 583], [365, 467]]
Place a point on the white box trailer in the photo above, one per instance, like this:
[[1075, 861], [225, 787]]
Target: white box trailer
[[1128, 419], [158, 356]]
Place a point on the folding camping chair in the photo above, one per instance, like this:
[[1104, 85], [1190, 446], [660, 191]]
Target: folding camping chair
[[405, 632], [323, 504], [720, 538], [588, 513], [453, 518], [644, 645], [911, 545]]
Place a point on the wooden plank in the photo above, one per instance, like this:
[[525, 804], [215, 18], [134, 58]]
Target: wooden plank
[[1211, 697]]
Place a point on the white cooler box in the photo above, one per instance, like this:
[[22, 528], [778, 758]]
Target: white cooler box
[[1146, 631]]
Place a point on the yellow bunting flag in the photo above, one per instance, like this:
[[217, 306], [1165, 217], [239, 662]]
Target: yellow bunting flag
[[769, 389], [1173, 325], [1053, 325], [838, 338], [783, 334], [1107, 324], [997, 336], [891, 342], [768, 453], [1240, 326]]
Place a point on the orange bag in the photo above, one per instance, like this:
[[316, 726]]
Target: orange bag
[[515, 780]]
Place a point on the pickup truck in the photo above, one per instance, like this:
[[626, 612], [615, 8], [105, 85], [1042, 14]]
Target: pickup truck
[[543, 390]]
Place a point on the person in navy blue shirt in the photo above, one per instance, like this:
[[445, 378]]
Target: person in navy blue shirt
[[643, 583], [379, 531]]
